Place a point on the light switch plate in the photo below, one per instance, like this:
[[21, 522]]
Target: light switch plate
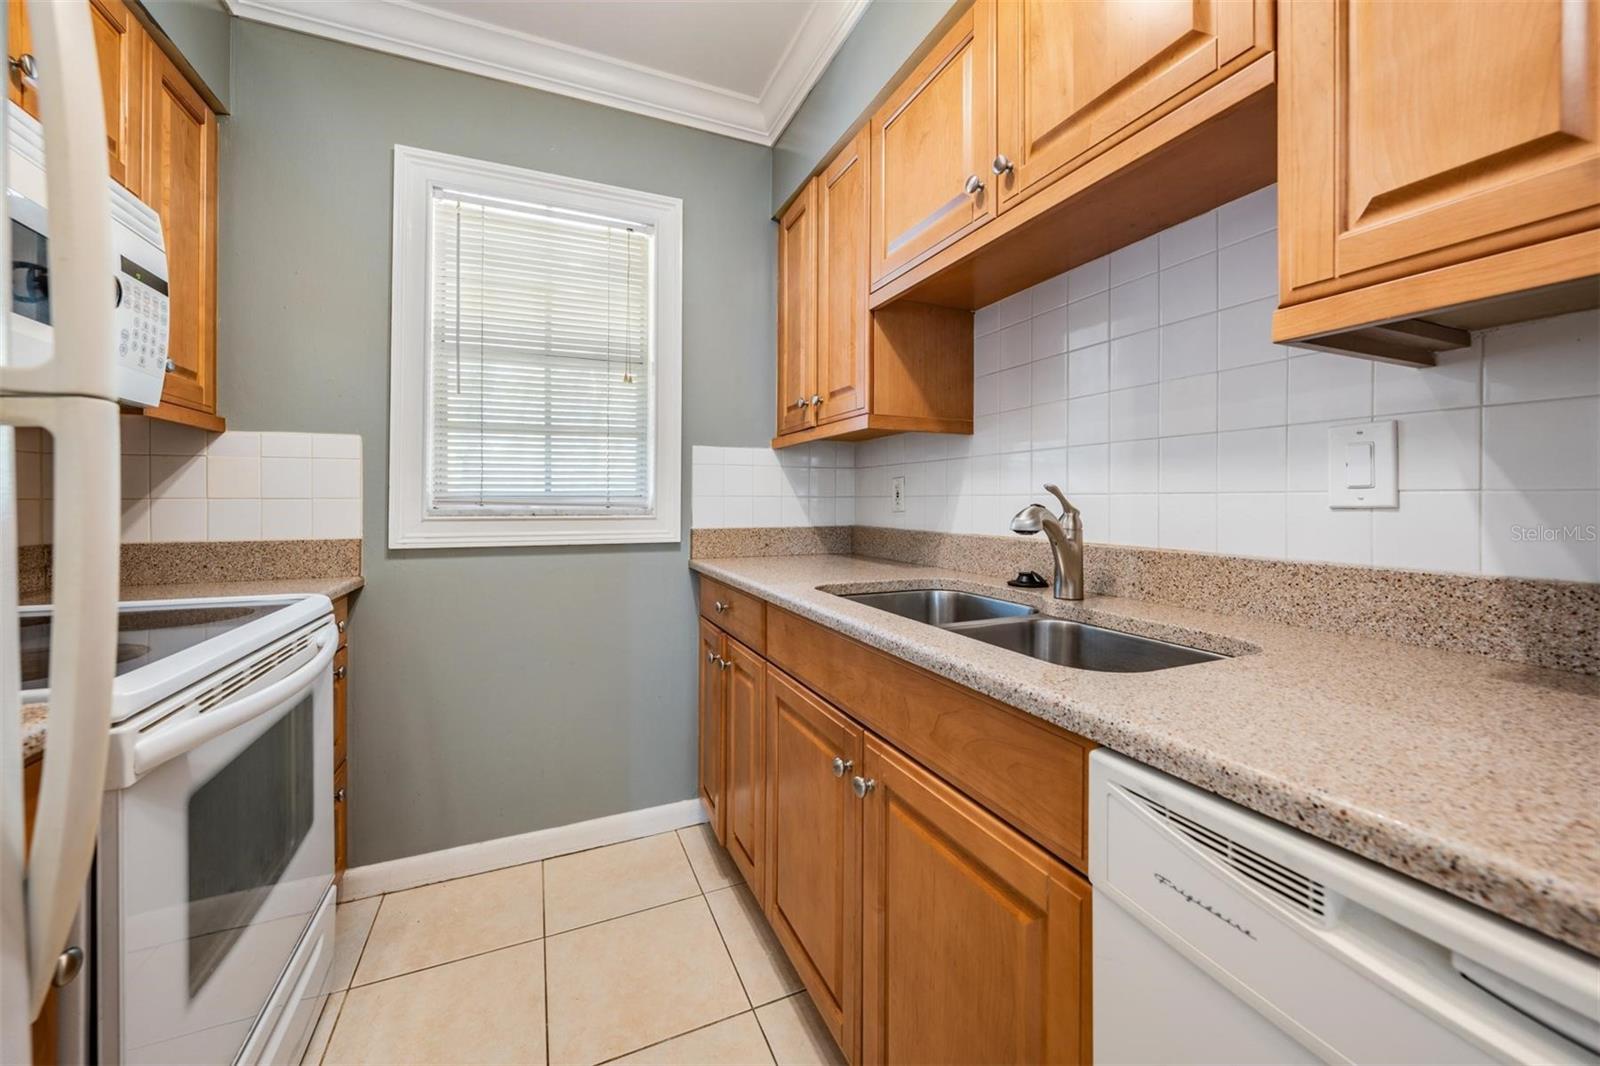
[[1363, 466], [897, 494]]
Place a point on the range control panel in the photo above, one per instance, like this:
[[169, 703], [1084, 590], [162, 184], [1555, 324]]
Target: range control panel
[[141, 328]]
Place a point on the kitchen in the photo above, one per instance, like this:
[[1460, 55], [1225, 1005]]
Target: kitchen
[[967, 511]]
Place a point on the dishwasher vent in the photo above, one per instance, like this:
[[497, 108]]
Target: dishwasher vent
[[1288, 884]]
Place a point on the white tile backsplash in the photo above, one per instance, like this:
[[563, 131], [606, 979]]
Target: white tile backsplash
[[1218, 437], [180, 483], [805, 485]]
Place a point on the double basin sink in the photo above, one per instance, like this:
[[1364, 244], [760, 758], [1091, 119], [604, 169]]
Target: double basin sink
[[1020, 628]]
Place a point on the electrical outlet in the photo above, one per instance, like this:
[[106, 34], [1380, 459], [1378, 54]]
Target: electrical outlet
[[897, 494]]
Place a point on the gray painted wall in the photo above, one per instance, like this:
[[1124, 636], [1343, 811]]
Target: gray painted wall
[[888, 32], [493, 692], [200, 29]]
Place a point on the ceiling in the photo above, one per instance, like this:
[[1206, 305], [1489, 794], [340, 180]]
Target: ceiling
[[735, 67]]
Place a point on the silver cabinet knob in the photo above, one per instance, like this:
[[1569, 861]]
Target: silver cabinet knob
[[338, 673], [68, 965], [171, 366], [802, 402], [338, 797], [816, 401], [26, 68], [711, 656], [344, 625], [1002, 165], [841, 766], [720, 606], [862, 785], [974, 185]]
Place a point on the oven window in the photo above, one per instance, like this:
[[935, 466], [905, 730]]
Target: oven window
[[30, 273], [245, 825]]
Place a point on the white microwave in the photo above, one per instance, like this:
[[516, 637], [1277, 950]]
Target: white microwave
[[138, 268]]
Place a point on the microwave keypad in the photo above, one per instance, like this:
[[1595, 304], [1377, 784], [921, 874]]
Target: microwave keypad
[[141, 325]]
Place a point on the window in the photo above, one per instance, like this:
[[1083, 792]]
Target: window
[[535, 384]]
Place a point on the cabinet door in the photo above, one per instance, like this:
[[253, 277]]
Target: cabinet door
[[797, 312], [181, 184], [713, 733], [19, 42], [814, 848], [930, 139], [341, 821], [975, 943], [842, 323], [1073, 77], [120, 45], [745, 707], [1443, 131]]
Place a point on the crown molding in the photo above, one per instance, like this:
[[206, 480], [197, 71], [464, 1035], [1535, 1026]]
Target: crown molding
[[439, 37]]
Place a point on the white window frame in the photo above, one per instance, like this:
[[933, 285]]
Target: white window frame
[[417, 173]]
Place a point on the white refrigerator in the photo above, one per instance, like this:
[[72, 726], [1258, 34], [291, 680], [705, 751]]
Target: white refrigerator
[[71, 395]]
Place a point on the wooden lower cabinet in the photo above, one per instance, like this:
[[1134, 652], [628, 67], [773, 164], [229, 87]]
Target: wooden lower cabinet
[[975, 942], [712, 730], [813, 885], [929, 913], [341, 834], [341, 738], [744, 687]]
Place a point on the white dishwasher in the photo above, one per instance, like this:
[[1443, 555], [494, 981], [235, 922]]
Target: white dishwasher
[[1221, 936]]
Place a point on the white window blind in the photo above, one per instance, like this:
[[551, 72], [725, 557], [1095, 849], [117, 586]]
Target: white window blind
[[541, 376]]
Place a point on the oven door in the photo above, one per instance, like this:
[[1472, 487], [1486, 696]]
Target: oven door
[[213, 862]]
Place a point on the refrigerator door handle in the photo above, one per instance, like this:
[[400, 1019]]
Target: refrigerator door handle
[[72, 396]]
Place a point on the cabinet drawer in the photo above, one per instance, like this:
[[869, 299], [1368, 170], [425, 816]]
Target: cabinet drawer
[[341, 703], [737, 613], [1032, 774]]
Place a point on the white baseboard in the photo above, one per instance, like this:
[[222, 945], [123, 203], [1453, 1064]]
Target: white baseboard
[[397, 874]]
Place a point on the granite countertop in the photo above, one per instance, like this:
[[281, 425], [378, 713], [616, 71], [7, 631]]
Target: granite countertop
[[35, 715], [1473, 775]]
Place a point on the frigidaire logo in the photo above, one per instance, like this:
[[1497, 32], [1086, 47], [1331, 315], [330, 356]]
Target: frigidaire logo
[[1203, 905]]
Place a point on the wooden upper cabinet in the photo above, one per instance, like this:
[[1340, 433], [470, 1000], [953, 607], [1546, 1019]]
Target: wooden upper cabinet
[[1414, 138], [843, 327], [744, 686], [797, 312], [975, 943], [120, 44], [932, 146], [713, 731], [19, 42], [1074, 78], [813, 888], [181, 184]]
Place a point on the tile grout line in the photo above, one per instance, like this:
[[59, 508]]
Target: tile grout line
[[686, 1032], [347, 989], [449, 962]]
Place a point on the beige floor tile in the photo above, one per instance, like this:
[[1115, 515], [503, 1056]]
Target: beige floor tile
[[711, 864], [324, 1030], [734, 1042], [761, 963], [609, 882], [796, 1034], [352, 923], [489, 1008], [451, 920], [631, 982]]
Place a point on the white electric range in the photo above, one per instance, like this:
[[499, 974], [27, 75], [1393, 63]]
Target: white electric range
[[209, 920]]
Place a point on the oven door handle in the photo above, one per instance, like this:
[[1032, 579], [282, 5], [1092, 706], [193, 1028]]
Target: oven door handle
[[151, 751]]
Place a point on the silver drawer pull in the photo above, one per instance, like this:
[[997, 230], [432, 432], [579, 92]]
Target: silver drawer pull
[[841, 766], [862, 785], [720, 606], [338, 673]]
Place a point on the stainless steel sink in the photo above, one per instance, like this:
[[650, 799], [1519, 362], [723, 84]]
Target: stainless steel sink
[[1084, 647], [940, 607]]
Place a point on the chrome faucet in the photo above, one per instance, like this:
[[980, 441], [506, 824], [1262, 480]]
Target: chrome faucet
[[1066, 541]]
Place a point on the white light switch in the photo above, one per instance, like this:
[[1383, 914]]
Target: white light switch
[[1358, 465], [1363, 466]]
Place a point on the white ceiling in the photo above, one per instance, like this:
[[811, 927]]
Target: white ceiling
[[736, 67]]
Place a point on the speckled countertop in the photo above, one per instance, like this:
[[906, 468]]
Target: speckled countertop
[[36, 715], [1475, 776]]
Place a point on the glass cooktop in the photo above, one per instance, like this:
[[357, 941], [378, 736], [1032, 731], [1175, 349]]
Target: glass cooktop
[[144, 634]]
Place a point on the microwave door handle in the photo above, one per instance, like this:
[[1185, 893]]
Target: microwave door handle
[[77, 183], [162, 744]]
